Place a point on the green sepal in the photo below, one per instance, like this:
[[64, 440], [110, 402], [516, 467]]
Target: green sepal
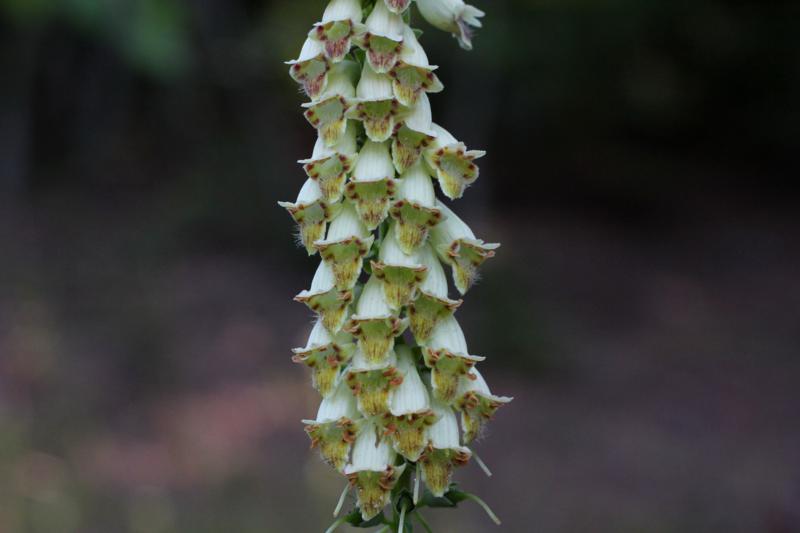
[[355, 520]]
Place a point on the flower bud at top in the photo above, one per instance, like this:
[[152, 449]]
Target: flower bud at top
[[452, 16]]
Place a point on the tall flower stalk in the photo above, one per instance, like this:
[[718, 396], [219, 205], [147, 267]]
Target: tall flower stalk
[[401, 397]]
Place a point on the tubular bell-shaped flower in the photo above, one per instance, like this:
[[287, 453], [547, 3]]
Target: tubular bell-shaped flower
[[373, 383], [372, 185], [327, 114], [453, 16], [311, 213], [381, 37], [310, 69], [337, 27], [375, 105], [409, 412], [444, 451], [452, 163], [455, 243], [329, 166], [375, 325], [369, 205], [413, 136], [414, 210], [397, 6], [477, 405], [334, 430], [400, 274], [345, 246], [412, 74], [325, 299], [432, 304], [324, 355], [372, 471], [447, 357]]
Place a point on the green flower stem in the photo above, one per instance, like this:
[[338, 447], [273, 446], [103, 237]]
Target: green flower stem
[[482, 465], [341, 500], [401, 526], [333, 527], [484, 505], [422, 521]]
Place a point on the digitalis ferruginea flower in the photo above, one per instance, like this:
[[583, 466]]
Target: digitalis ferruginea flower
[[337, 27], [390, 399], [345, 246], [325, 355], [334, 430], [372, 471]]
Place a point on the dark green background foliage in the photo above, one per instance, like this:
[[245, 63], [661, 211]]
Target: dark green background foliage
[[642, 310]]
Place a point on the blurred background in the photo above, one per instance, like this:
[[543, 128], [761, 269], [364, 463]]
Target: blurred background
[[643, 309]]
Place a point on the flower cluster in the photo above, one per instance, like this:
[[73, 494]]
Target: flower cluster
[[400, 391]]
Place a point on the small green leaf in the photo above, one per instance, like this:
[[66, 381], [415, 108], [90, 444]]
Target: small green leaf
[[354, 519]]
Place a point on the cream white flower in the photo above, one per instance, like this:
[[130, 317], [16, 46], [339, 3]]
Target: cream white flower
[[329, 166], [375, 325], [372, 185], [414, 209], [373, 383], [413, 136], [311, 213], [477, 405], [375, 106], [412, 74], [381, 37], [397, 6], [337, 27], [447, 356], [310, 69], [444, 451], [325, 299], [409, 411], [327, 114], [345, 246], [372, 471], [452, 162], [399, 273], [325, 355], [455, 243], [453, 16], [432, 303], [334, 430]]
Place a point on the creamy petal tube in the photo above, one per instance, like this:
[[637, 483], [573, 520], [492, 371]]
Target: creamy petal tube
[[400, 395]]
